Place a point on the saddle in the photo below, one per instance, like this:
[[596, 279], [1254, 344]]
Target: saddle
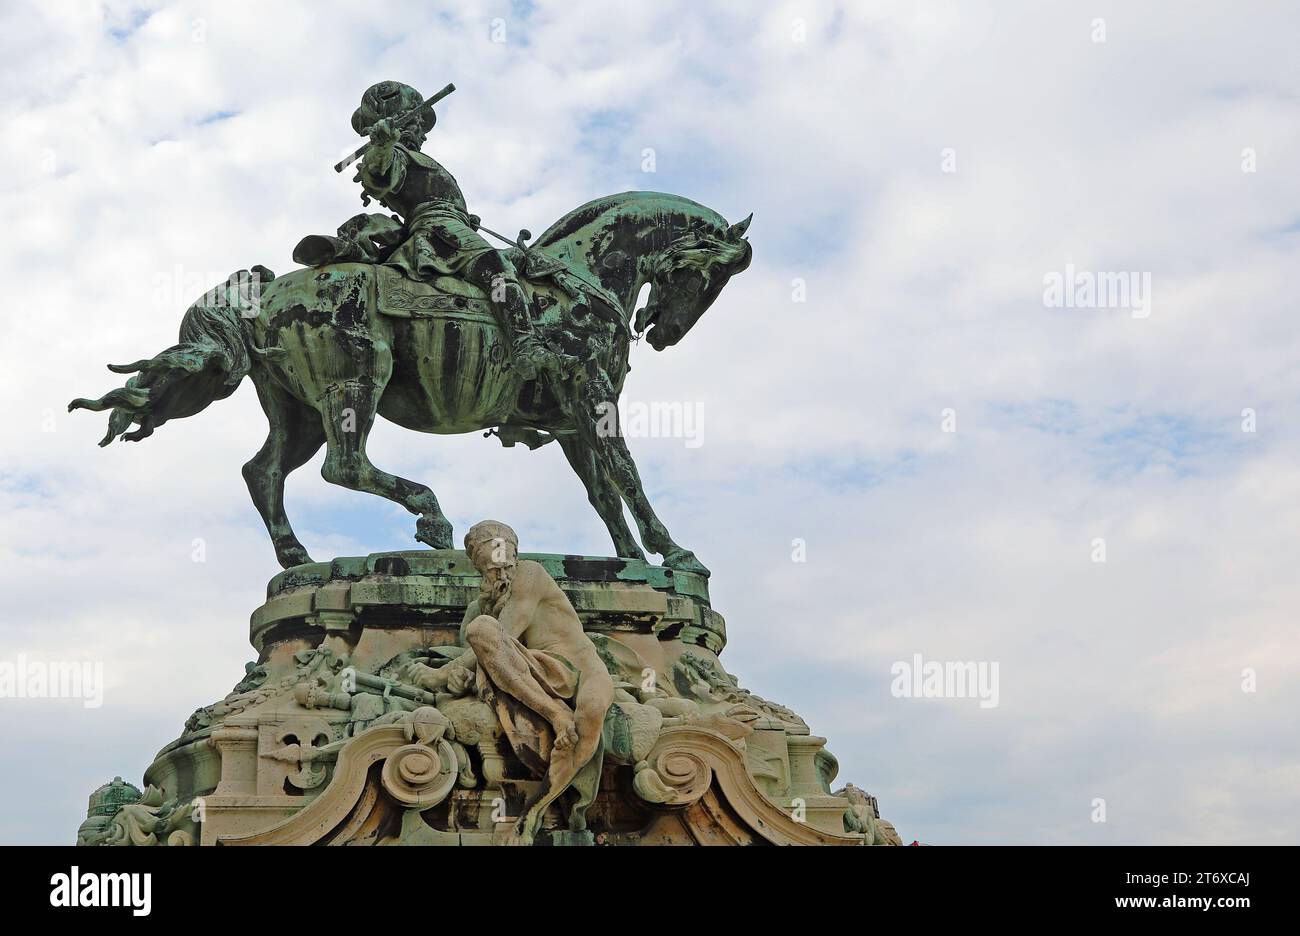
[[370, 238]]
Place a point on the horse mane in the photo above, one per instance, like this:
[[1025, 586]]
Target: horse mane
[[646, 204]]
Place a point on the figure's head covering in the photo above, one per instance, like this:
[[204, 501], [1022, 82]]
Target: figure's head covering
[[390, 99], [485, 532]]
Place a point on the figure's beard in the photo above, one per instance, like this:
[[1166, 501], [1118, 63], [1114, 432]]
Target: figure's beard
[[494, 592]]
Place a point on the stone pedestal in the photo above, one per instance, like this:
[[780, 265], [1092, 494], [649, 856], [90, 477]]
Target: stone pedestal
[[322, 741]]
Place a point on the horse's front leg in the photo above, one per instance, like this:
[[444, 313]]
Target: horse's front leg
[[602, 494], [347, 412], [597, 425], [295, 436]]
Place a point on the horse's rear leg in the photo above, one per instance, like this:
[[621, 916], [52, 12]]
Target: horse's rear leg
[[347, 411], [295, 436], [602, 494]]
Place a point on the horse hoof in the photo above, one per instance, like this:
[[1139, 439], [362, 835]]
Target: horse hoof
[[292, 556], [683, 560], [434, 533]]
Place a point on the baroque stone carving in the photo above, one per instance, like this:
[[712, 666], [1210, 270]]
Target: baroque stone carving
[[371, 716], [528, 657]]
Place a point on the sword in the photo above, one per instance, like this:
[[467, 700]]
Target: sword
[[400, 122]]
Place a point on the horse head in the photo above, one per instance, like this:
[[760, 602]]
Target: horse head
[[683, 250], [687, 276]]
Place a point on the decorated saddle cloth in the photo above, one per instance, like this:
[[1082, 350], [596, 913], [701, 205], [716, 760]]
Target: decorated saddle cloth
[[443, 296], [446, 296]]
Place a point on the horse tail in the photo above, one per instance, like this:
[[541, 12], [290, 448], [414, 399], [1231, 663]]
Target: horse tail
[[207, 364]]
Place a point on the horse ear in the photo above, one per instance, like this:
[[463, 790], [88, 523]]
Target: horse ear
[[737, 230]]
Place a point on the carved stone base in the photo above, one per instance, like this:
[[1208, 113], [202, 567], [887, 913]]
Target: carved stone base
[[323, 743]]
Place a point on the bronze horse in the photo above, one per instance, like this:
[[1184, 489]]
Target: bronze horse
[[331, 347]]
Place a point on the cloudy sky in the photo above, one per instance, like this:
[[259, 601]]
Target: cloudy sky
[[885, 393]]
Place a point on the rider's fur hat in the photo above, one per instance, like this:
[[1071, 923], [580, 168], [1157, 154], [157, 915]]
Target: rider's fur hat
[[390, 99]]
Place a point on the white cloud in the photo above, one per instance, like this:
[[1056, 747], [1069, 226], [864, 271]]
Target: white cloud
[[822, 419]]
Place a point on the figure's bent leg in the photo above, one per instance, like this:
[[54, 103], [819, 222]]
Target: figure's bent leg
[[585, 785], [347, 411], [595, 693], [295, 436], [504, 662], [602, 494]]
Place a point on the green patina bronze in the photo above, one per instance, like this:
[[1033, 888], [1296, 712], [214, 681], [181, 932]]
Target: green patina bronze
[[413, 318]]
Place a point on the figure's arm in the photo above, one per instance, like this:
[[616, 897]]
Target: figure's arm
[[456, 677], [426, 677], [467, 659], [529, 589], [383, 169]]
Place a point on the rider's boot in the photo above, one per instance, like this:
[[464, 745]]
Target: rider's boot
[[527, 353]]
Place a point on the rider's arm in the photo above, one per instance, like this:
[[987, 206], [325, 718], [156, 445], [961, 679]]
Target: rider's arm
[[383, 168]]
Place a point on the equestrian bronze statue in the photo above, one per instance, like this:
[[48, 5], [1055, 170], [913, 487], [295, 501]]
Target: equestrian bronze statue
[[413, 316]]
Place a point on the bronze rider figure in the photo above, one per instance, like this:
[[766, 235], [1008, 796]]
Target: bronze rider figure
[[441, 236]]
